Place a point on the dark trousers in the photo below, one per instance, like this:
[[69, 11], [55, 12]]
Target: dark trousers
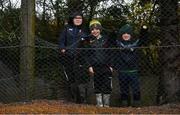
[[102, 79], [77, 77], [69, 63], [82, 79], [129, 81]]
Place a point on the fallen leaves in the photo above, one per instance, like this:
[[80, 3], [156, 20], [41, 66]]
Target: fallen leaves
[[59, 106]]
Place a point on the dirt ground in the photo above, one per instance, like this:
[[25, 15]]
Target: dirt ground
[[55, 107]]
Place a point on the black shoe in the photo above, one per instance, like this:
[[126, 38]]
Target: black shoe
[[136, 103], [124, 103]]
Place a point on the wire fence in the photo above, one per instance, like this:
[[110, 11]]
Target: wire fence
[[155, 79]]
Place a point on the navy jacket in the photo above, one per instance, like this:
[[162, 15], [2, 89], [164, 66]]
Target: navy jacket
[[126, 58], [71, 36], [70, 39]]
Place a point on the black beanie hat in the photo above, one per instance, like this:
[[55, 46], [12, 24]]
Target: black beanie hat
[[126, 29]]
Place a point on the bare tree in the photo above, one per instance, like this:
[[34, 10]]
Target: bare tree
[[74, 5], [1, 4], [5, 3]]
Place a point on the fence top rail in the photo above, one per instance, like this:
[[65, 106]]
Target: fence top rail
[[56, 47]]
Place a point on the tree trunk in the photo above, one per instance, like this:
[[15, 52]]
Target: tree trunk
[[27, 48], [170, 56]]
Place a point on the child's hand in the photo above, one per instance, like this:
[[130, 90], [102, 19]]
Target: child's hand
[[63, 50], [91, 71], [111, 69]]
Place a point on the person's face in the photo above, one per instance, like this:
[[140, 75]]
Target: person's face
[[77, 20], [126, 36], [95, 32]]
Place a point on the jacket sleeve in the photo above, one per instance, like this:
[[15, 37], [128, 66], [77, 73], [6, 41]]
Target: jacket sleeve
[[62, 39], [90, 53], [85, 53], [108, 51], [89, 59]]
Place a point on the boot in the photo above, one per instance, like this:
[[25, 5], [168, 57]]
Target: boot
[[136, 103], [106, 100], [99, 101], [83, 93], [124, 103]]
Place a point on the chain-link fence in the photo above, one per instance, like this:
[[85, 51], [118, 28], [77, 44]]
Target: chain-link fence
[[145, 70]]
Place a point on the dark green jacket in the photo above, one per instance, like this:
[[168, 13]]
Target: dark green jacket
[[97, 52]]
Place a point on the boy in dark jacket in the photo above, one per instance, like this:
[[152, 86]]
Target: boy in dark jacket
[[127, 61], [69, 41], [98, 64]]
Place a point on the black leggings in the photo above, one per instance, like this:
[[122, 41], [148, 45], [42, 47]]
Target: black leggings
[[102, 79]]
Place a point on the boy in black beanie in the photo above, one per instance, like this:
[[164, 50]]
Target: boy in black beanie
[[126, 63]]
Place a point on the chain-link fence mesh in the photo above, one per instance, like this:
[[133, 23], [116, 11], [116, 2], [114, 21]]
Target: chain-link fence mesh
[[149, 71]]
